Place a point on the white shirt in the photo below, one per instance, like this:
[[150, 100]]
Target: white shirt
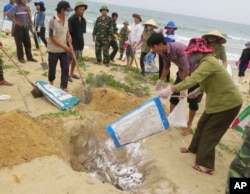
[[135, 33]]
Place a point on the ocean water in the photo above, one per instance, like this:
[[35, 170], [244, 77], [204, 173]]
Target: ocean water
[[188, 27]]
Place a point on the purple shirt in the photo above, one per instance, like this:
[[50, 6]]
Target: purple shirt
[[175, 55]]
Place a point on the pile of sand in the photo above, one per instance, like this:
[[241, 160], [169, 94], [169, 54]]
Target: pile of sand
[[22, 140]]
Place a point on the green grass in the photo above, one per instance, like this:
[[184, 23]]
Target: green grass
[[66, 113], [230, 149], [24, 71]]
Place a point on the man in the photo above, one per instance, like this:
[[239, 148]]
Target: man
[[102, 35], [57, 44], [6, 8], [123, 38], [3, 82], [113, 42], [173, 52], [240, 166], [19, 14], [77, 27], [133, 38]]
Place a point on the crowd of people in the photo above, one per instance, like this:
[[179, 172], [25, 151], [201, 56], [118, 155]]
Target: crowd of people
[[201, 65]]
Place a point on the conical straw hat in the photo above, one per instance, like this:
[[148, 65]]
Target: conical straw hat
[[217, 34], [151, 22]]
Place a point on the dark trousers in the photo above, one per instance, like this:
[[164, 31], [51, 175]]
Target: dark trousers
[[161, 69], [1, 69], [40, 34], [142, 61], [64, 63], [242, 69], [22, 38], [210, 129], [114, 46]]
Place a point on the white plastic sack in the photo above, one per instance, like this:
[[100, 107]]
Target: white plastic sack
[[149, 63], [177, 118]]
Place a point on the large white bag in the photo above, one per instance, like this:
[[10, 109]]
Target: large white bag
[[177, 118]]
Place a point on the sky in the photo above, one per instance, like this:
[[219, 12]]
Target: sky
[[227, 10]]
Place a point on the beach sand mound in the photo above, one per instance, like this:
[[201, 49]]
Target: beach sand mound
[[21, 140]]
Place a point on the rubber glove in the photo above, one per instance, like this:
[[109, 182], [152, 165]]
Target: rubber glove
[[158, 85], [166, 92], [183, 94], [39, 29], [195, 93]]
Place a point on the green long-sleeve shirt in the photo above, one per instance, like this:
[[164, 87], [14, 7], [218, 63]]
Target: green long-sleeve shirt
[[103, 29], [215, 81]]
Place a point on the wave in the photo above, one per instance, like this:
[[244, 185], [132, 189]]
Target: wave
[[236, 38]]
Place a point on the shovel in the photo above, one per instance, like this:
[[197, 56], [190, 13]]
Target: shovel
[[86, 90], [43, 64], [36, 93]]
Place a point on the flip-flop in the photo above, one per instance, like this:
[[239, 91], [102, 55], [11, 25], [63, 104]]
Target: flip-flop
[[4, 97], [75, 76], [203, 169]]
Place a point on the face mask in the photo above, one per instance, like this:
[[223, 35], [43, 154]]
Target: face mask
[[67, 13], [194, 58], [149, 27]]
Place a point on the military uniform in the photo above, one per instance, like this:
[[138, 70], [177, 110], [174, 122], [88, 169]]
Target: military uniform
[[123, 39], [240, 166], [103, 31]]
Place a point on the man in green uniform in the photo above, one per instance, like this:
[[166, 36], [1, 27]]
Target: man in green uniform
[[102, 35], [123, 38], [240, 166]]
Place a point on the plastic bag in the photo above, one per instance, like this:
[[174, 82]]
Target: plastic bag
[[177, 118], [149, 63]]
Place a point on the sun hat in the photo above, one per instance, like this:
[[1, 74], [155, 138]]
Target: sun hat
[[197, 45], [151, 22], [126, 22], [247, 44], [170, 24], [217, 34], [81, 3], [135, 15], [63, 5], [42, 5], [104, 7]]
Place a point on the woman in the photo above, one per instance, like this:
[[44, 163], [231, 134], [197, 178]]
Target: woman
[[149, 27], [223, 102], [39, 18], [243, 62], [215, 41]]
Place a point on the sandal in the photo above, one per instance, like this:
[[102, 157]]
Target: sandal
[[75, 76], [203, 169], [184, 150]]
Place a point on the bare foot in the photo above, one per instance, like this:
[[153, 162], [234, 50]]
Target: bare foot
[[51, 83], [186, 131], [184, 150]]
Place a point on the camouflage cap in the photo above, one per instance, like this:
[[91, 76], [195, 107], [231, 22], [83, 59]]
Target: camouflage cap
[[81, 3], [104, 7], [126, 22]]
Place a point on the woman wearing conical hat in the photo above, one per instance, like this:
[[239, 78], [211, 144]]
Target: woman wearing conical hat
[[149, 27], [215, 41]]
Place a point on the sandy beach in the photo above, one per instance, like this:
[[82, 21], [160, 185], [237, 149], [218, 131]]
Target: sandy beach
[[43, 150]]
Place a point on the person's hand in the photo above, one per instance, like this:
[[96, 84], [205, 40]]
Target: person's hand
[[67, 49], [158, 85], [38, 30], [194, 94], [183, 94], [1, 45], [166, 92]]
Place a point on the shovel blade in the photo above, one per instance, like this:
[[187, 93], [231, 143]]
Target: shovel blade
[[44, 66], [36, 93]]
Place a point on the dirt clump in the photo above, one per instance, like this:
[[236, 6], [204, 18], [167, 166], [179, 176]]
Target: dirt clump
[[21, 140]]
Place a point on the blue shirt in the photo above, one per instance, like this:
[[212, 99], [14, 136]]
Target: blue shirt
[[39, 18], [8, 7]]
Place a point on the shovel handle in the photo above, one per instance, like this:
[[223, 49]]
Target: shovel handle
[[10, 58], [76, 62]]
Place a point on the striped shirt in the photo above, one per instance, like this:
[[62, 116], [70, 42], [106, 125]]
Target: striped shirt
[[20, 13]]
